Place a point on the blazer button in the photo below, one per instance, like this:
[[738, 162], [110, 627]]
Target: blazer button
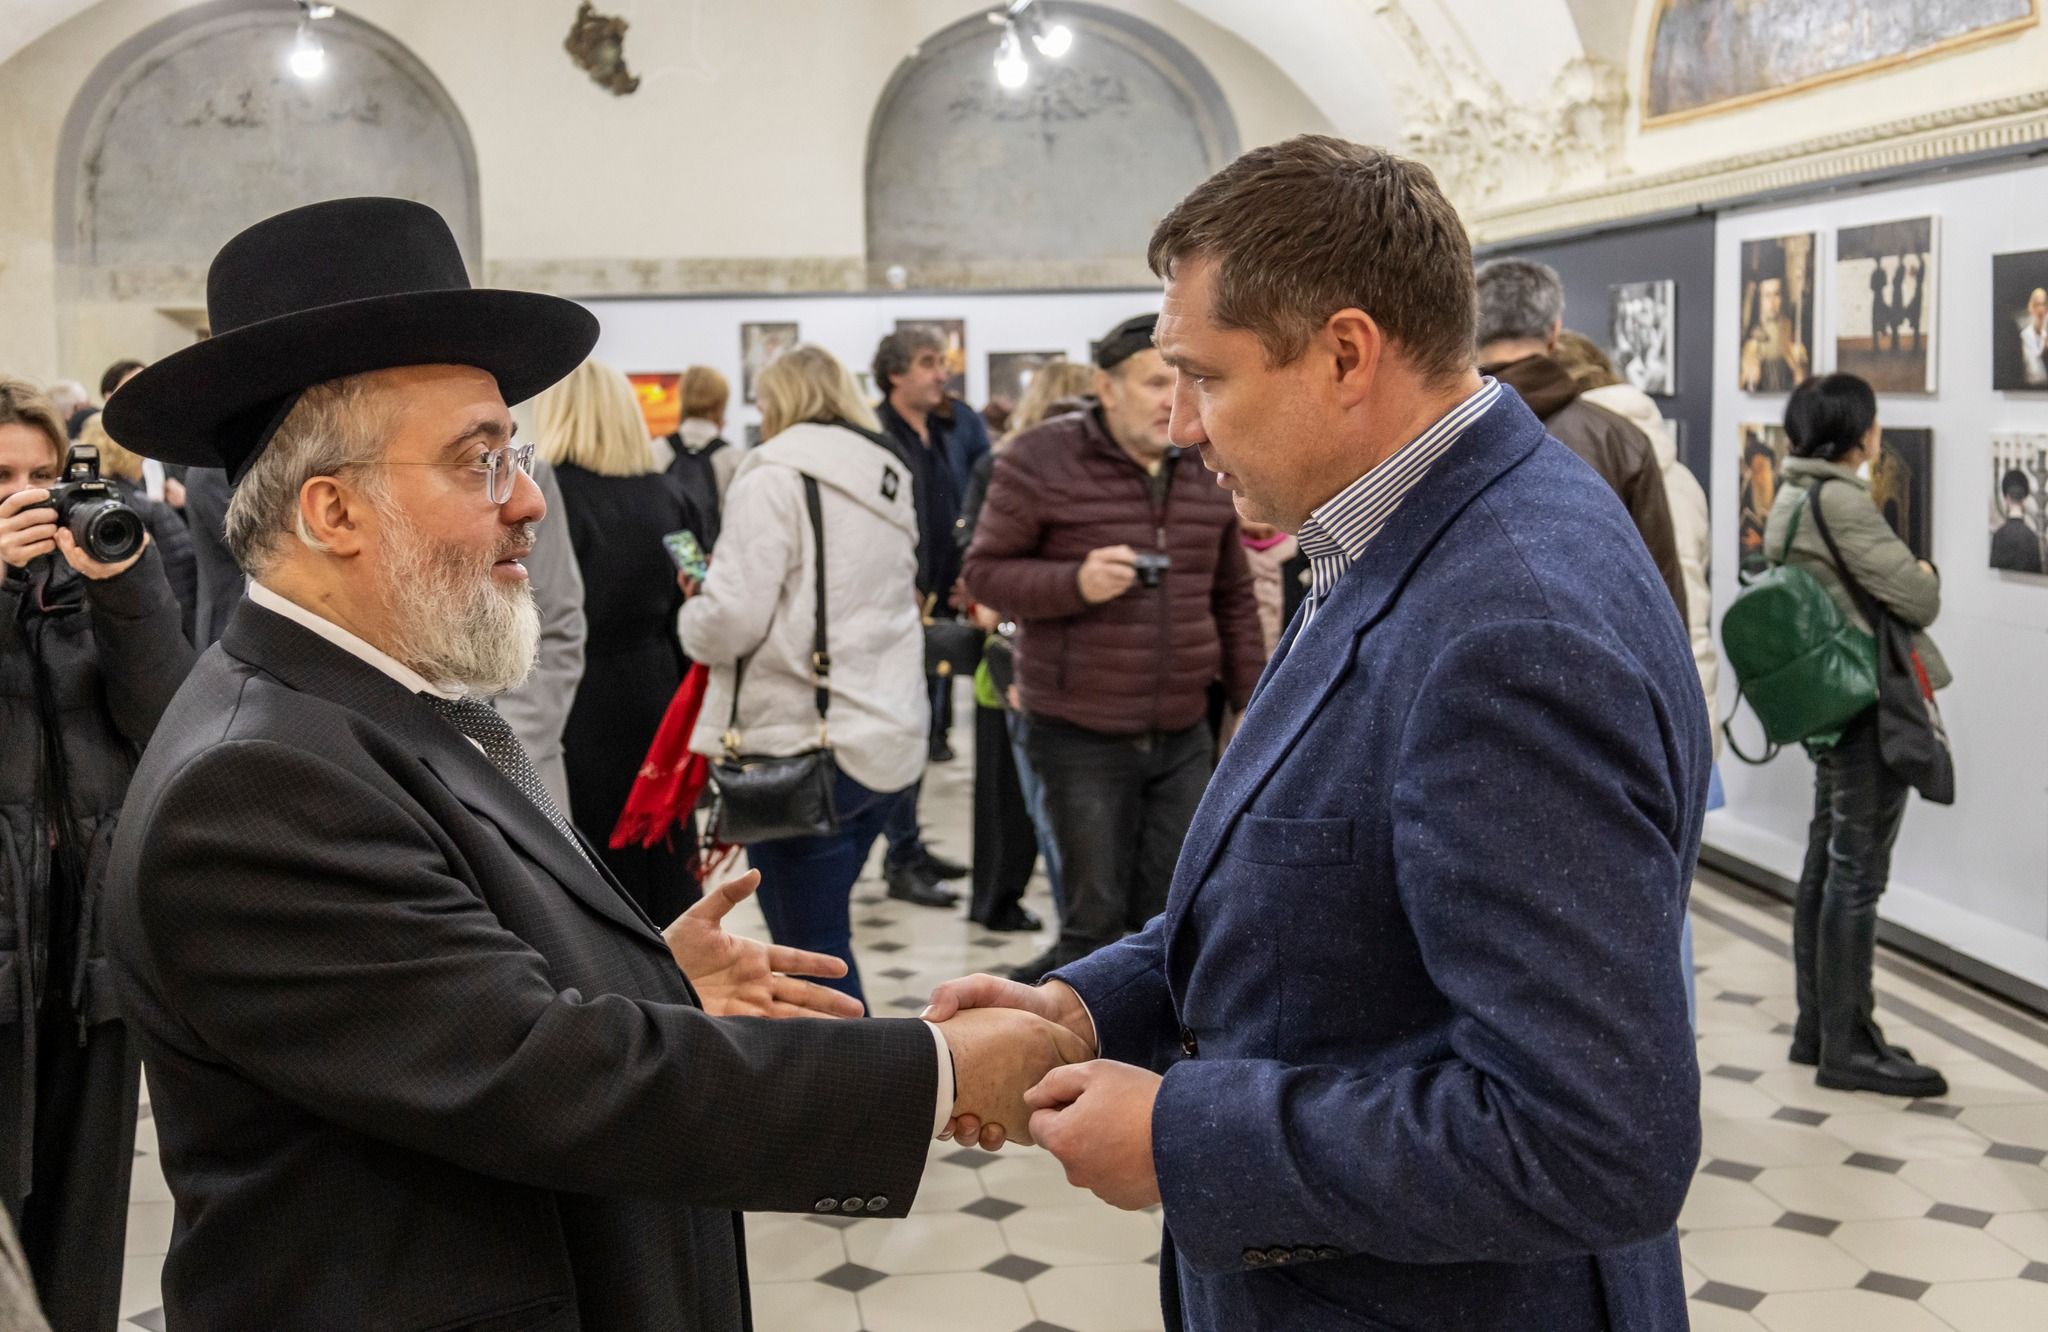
[[825, 1205], [1188, 1044], [878, 1204], [1254, 1257], [1328, 1255], [1306, 1254], [852, 1205], [1278, 1256]]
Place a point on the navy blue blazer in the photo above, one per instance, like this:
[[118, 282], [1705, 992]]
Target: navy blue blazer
[[1416, 992]]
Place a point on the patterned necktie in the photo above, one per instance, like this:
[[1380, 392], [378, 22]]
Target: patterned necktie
[[480, 722]]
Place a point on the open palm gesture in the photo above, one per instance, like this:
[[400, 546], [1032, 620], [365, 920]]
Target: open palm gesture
[[740, 977]]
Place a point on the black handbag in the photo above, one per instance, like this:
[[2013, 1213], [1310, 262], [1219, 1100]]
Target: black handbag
[[761, 797], [951, 647], [1911, 739]]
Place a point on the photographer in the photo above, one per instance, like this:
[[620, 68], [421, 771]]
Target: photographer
[[90, 653], [1118, 556]]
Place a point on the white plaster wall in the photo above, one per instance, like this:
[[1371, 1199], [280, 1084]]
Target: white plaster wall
[[1975, 874], [746, 140]]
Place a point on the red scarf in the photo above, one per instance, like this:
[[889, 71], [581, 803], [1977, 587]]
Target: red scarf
[[671, 780]]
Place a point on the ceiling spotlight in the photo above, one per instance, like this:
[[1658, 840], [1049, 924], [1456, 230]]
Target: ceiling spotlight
[[308, 60], [313, 11], [1053, 41], [1013, 71]]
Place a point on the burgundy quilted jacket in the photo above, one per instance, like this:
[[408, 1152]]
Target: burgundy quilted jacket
[[1143, 662]]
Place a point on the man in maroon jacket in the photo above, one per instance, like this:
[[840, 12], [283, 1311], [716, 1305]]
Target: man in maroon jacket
[[1119, 560]]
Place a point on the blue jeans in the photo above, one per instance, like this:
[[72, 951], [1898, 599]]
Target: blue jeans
[[899, 827], [1034, 800], [807, 882]]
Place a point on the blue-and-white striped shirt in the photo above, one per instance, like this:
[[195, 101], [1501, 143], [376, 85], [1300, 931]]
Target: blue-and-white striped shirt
[[1340, 529]]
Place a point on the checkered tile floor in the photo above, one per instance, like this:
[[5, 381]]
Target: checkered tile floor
[[1814, 1211]]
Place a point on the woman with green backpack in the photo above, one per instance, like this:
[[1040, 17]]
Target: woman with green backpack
[[1825, 524]]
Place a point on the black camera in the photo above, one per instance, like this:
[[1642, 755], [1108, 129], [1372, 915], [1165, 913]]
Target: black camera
[[1152, 568], [105, 528]]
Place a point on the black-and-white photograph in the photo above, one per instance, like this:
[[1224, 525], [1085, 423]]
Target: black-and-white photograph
[[2019, 516], [1643, 319]]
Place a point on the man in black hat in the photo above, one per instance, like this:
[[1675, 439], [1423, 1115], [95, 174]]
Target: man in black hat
[[416, 1060], [1120, 562]]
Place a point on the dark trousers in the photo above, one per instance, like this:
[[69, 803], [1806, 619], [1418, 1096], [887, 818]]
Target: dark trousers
[[900, 829], [1858, 806], [807, 882], [1119, 807], [941, 687], [74, 1222], [1005, 839]]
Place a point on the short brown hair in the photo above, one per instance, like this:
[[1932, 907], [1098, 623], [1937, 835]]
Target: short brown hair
[[23, 404], [704, 392], [1302, 229]]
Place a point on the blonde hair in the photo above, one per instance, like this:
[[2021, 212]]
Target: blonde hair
[[1054, 381], [807, 383], [592, 420], [115, 461], [22, 403], [704, 393]]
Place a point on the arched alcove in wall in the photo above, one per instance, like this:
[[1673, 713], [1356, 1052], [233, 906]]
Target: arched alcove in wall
[[1057, 183], [196, 127]]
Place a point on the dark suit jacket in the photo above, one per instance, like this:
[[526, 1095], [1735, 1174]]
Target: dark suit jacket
[[220, 580], [1423, 938], [415, 1065]]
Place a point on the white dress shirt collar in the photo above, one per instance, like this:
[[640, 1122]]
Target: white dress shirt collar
[[347, 642]]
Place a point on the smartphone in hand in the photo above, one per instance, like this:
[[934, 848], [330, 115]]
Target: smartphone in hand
[[686, 554]]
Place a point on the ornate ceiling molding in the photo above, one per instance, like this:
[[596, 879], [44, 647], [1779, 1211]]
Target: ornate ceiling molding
[[2001, 125]]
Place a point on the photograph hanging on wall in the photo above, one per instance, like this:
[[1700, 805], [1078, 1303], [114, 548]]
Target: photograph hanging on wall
[[2019, 321], [1777, 313], [1885, 290], [2019, 503], [1902, 487], [1643, 319], [952, 335], [1010, 373], [660, 395], [760, 344], [1763, 454]]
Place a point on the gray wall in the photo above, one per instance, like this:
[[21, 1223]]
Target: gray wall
[[1682, 250]]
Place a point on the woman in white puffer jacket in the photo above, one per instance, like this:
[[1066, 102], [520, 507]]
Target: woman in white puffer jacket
[[758, 603]]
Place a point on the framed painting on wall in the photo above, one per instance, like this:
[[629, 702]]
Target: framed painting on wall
[[1777, 313], [952, 336], [2019, 503], [760, 344], [1010, 373], [1643, 326], [1902, 487], [1716, 55], [2019, 321], [660, 395], [1885, 290], [1763, 455]]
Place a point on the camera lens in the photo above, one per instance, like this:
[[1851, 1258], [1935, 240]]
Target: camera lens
[[107, 530]]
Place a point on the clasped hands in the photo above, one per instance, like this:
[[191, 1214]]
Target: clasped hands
[[1026, 1071]]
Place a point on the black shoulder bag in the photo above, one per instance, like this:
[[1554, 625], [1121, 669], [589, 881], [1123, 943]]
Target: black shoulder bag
[[1910, 737], [763, 798]]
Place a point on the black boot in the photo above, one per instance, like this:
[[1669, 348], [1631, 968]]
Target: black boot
[[1853, 1056], [941, 868], [911, 883], [1805, 949]]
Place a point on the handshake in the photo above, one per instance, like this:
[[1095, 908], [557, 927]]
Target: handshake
[[1006, 1038]]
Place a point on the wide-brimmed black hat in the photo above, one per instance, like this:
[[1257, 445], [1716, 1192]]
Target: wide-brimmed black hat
[[334, 289]]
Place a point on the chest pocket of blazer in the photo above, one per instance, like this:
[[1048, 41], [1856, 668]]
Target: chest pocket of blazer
[[1264, 840]]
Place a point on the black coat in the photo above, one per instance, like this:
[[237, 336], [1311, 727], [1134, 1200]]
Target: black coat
[[632, 664], [112, 657], [220, 579], [174, 546], [415, 1064]]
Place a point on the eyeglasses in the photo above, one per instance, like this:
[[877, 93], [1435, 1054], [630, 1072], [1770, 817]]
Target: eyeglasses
[[499, 467]]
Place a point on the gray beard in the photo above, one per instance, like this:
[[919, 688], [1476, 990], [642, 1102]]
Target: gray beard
[[450, 619]]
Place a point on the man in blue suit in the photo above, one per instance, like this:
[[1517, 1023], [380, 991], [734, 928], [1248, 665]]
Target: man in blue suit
[[1408, 1047]]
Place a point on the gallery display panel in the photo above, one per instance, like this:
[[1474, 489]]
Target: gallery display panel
[[1972, 877]]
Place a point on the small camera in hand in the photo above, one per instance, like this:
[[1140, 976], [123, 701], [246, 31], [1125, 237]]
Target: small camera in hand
[[106, 529], [1152, 568]]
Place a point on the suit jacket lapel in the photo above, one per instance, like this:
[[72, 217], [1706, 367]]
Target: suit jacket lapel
[[312, 665], [1314, 659]]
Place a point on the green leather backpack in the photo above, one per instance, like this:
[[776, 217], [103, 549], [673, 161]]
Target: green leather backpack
[[1806, 670]]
